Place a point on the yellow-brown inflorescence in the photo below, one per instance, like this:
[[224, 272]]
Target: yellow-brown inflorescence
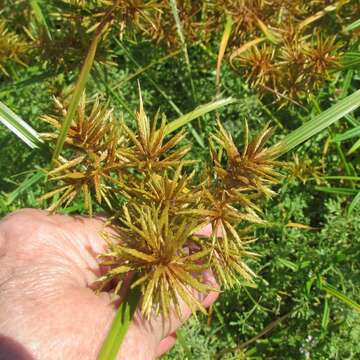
[[251, 169], [274, 45], [150, 151], [95, 160], [12, 48], [157, 209], [305, 170], [155, 245], [128, 17]]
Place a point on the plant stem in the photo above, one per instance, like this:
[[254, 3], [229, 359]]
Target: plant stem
[[263, 332], [120, 325], [81, 82], [175, 13]]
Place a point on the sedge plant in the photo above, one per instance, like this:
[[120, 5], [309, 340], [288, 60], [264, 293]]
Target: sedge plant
[[286, 49], [12, 48], [141, 175], [156, 206]]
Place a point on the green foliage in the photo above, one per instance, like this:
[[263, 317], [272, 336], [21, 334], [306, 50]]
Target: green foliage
[[312, 231], [293, 260]]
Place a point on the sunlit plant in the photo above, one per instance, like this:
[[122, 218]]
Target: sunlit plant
[[140, 177], [12, 48], [156, 207], [275, 46]]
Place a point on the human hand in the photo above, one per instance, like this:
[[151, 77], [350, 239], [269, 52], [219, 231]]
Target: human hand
[[47, 307]]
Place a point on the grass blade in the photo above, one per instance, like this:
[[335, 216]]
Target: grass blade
[[223, 45], [270, 35], [80, 84], [316, 16], [119, 326], [199, 111], [332, 291], [24, 186], [341, 177], [355, 132], [40, 18], [78, 91], [320, 122], [354, 203], [353, 26], [354, 147], [350, 60], [326, 315], [336, 190], [19, 127]]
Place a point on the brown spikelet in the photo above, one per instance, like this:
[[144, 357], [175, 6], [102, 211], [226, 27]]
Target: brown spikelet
[[12, 47], [96, 159], [253, 168], [153, 246], [149, 151], [322, 57], [260, 68]]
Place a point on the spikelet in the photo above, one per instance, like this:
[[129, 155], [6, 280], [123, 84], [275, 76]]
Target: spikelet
[[251, 169], [304, 170], [95, 160], [155, 231], [154, 246], [172, 191], [149, 151], [260, 66], [12, 48], [128, 17], [323, 57]]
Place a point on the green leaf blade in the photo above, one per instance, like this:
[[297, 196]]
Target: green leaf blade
[[199, 111], [120, 325], [332, 291], [19, 127], [320, 122]]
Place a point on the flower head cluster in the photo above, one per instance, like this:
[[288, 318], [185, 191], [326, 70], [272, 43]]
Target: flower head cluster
[[12, 47], [156, 245], [158, 208], [294, 68], [274, 45], [94, 160]]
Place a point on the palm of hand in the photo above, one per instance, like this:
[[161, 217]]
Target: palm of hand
[[47, 307]]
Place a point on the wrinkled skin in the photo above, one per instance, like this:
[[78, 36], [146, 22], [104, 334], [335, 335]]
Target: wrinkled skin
[[48, 310]]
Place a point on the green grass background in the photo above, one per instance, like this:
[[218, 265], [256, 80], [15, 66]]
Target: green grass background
[[292, 260]]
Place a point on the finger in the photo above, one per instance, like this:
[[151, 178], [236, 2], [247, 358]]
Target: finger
[[162, 326], [207, 231], [166, 344], [210, 299]]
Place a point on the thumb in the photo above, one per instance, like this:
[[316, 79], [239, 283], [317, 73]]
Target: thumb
[[157, 334]]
